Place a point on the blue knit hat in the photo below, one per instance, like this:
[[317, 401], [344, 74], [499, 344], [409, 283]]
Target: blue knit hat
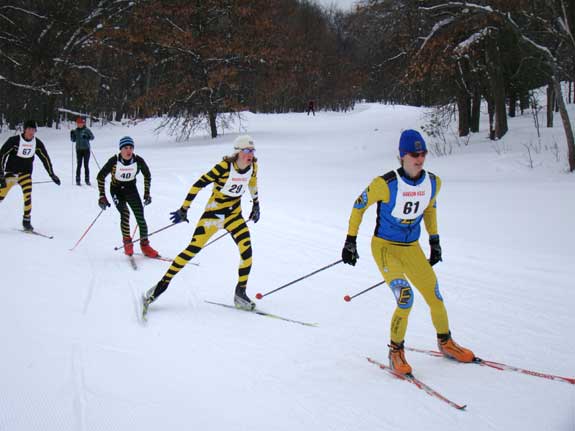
[[126, 140], [411, 141]]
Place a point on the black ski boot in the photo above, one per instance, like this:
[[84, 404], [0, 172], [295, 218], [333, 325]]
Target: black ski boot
[[27, 226], [241, 300], [152, 294]]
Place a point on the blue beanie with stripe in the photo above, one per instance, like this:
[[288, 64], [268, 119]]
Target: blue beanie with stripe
[[126, 140]]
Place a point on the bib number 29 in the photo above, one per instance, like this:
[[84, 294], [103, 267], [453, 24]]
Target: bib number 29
[[236, 188]]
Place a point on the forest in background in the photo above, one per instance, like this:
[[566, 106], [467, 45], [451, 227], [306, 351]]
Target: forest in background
[[196, 63]]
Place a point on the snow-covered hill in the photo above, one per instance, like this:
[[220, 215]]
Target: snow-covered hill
[[76, 357]]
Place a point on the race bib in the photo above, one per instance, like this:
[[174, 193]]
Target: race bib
[[126, 173], [411, 201], [26, 149], [237, 183]]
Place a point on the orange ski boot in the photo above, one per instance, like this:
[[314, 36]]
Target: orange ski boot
[[453, 350], [147, 249], [397, 360]]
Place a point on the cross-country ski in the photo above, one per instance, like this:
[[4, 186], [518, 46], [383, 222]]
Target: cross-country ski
[[417, 383], [263, 313], [500, 367]]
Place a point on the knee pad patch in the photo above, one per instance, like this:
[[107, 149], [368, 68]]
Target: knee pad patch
[[438, 293], [402, 292]]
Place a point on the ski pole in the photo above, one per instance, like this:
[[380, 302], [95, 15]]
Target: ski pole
[[96, 160], [260, 296], [348, 298], [149, 235], [42, 182], [220, 237], [214, 240], [71, 146], [86, 231]]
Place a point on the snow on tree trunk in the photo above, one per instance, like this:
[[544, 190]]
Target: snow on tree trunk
[[566, 122]]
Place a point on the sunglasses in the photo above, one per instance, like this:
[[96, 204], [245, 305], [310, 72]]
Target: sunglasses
[[418, 154], [248, 150]]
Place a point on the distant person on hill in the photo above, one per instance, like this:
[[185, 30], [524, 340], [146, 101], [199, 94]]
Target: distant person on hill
[[404, 197], [123, 168], [82, 137], [17, 163], [311, 107], [231, 178]]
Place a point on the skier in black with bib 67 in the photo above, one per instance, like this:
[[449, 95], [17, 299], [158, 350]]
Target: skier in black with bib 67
[[123, 168], [16, 165]]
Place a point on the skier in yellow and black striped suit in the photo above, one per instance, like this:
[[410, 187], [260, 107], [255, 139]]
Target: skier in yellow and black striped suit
[[17, 163], [404, 198], [231, 178]]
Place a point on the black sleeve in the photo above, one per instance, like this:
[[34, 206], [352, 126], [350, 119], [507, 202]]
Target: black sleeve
[[5, 151], [73, 135], [104, 172], [43, 155], [90, 134], [147, 175]]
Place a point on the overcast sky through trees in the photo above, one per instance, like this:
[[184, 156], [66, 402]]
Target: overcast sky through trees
[[342, 4]]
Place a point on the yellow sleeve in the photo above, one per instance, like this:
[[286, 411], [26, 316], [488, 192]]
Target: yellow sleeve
[[376, 191], [209, 177], [430, 213], [253, 184]]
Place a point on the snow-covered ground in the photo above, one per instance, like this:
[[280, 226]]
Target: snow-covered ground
[[76, 357]]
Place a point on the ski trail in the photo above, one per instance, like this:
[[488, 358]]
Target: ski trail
[[91, 288], [80, 401], [136, 296]]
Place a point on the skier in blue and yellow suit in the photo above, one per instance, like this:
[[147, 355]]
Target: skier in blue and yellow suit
[[231, 178], [404, 197]]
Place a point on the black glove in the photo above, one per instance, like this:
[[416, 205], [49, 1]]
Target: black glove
[[2, 182], [349, 253], [435, 255], [103, 202], [179, 216], [255, 214], [55, 179], [147, 199]]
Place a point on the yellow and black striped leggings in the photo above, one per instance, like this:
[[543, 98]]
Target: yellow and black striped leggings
[[132, 198], [207, 226], [25, 182], [398, 263]]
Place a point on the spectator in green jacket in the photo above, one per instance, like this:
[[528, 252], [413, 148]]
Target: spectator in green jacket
[[82, 137]]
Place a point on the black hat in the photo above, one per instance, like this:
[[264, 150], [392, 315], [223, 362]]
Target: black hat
[[30, 124]]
